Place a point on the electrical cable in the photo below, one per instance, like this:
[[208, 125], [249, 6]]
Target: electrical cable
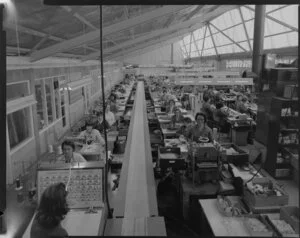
[[104, 119], [256, 171]]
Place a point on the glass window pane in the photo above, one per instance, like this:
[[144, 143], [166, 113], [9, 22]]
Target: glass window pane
[[57, 95], [17, 90], [18, 124], [49, 101], [39, 105]]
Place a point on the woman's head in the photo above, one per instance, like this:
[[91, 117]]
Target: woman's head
[[187, 121], [172, 102], [53, 206], [200, 118], [68, 148], [107, 108], [89, 126], [112, 97], [239, 98], [177, 112], [206, 98], [219, 105]]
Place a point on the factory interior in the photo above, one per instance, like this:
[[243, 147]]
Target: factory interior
[[149, 120]]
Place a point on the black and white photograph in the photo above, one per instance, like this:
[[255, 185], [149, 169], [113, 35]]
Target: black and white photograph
[[132, 118]]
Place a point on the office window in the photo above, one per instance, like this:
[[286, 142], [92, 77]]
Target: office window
[[39, 105], [19, 128], [49, 101], [63, 107], [17, 90], [57, 95]]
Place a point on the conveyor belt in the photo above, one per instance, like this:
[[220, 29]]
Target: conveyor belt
[[136, 203], [137, 192]]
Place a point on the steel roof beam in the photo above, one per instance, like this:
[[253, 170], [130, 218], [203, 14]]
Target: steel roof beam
[[192, 24], [86, 38]]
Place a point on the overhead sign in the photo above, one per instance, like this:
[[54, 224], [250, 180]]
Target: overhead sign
[[214, 81]]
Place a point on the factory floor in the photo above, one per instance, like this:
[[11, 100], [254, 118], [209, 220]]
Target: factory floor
[[19, 213]]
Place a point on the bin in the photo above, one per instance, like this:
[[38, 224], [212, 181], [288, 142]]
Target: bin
[[240, 135]]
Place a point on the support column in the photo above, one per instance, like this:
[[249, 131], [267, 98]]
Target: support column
[[172, 53], [2, 121], [258, 43]]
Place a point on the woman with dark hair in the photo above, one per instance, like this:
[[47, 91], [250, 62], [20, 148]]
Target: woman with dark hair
[[220, 116], [113, 103], [70, 156], [91, 135], [200, 129], [171, 107], [177, 118], [51, 211]]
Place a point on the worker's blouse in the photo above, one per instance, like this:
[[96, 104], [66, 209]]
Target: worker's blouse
[[38, 231], [110, 118], [195, 132], [76, 158], [94, 136], [240, 107]]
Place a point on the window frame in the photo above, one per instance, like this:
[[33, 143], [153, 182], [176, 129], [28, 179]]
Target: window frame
[[16, 105], [56, 118]]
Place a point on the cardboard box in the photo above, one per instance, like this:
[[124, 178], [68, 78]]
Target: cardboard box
[[265, 201]]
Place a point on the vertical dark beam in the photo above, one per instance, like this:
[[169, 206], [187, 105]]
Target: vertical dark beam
[[2, 113], [172, 53], [258, 43]]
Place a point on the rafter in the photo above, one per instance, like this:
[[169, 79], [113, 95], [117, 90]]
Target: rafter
[[184, 27], [173, 37], [40, 43], [213, 40], [192, 13], [277, 9], [190, 44], [228, 37], [80, 18], [203, 40], [276, 20], [26, 50], [196, 45], [126, 13], [26, 30], [91, 36], [245, 29]]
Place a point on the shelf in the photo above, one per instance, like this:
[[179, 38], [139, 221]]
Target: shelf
[[285, 165], [288, 145], [289, 130], [287, 99], [284, 178]]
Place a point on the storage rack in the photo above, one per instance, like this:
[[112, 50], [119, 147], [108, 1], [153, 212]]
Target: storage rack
[[285, 124]]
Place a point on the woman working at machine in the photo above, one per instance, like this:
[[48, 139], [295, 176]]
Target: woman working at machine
[[91, 135], [177, 118], [200, 129], [170, 109], [70, 156], [240, 104], [51, 211]]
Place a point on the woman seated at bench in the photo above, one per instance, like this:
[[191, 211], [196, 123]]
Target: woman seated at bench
[[70, 156], [200, 129], [91, 135]]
